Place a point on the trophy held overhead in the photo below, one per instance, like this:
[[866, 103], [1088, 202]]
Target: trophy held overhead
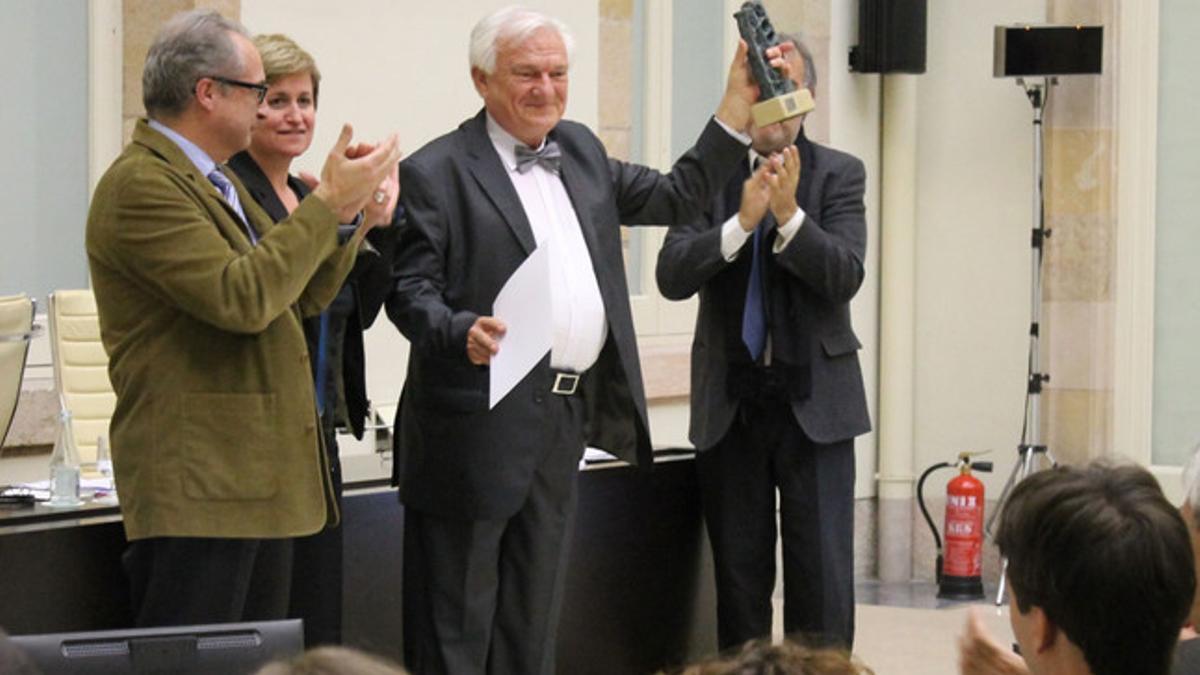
[[779, 99]]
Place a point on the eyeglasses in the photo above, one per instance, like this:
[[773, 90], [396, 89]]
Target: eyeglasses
[[259, 89]]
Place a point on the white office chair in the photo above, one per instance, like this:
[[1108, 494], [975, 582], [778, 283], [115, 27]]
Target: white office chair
[[81, 367], [16, 331]]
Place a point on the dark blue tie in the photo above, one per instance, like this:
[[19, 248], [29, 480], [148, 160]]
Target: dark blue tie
[[322, 380], [754, 316]]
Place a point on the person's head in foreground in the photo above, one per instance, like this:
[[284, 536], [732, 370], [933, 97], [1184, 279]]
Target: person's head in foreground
[[760, 657], [332, 661], [1191, 516], [1100, 570]]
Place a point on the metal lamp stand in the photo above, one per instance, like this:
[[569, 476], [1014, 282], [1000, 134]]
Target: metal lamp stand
[[1031, 435]]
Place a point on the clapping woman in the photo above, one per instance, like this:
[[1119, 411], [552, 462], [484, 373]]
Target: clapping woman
[[283, 132]]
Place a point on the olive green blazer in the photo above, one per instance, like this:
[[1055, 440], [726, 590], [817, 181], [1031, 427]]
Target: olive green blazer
[[215, 429]]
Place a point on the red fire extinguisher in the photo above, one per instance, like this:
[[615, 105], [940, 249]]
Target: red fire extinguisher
[[960, 564]]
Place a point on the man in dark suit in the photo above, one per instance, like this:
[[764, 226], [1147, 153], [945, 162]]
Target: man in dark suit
[[490, 493], [777, 392]]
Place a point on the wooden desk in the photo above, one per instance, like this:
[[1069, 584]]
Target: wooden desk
[[639, 592]]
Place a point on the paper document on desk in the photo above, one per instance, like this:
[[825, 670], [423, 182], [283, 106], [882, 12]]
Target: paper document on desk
[[524, 307]]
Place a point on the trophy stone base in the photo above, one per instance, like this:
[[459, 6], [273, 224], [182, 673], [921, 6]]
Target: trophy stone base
[[782, 107]]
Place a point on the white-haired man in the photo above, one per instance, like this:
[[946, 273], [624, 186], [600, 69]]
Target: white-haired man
[[490, 493]]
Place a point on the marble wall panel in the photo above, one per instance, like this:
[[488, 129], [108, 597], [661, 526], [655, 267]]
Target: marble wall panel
[[141, 20], [1078, 424], [1078, 336], [616, 9], [810, 18], [1079, 259], [1080, 171]]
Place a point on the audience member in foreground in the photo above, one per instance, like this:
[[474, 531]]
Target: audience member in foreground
[[1187, 654], [760, 657], [333, 661], [12, 660], [1100, 572]]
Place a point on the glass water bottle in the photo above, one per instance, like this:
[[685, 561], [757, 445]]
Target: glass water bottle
[[64, 466]]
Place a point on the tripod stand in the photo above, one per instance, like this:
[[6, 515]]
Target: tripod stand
[[1031, 445]]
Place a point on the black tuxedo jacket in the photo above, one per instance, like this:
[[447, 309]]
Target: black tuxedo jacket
[[466, 234], [809, 287], [357, 303]]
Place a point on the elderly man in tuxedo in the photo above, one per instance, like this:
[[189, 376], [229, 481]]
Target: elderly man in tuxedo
[[777, 392], [490, 493]]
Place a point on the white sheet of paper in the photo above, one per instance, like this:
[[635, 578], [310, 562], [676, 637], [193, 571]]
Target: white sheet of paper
[[524, 307]]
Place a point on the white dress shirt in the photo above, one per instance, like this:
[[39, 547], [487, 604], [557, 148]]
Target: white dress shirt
[[576, 308]]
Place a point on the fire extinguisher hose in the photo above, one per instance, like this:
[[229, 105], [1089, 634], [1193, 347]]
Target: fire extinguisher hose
[[937, 539]]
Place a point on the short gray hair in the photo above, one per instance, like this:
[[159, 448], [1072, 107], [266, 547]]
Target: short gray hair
[[189, 46], [810, 69], [1191, 484], [511, 24]]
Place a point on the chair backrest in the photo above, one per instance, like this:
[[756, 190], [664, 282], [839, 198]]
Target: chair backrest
[[81, 367], [16, 330]]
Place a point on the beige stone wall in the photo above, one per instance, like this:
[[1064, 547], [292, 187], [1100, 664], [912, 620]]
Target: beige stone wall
[[141, 20], [616, 94], [810, 18], [616, 76], [1080, 263]]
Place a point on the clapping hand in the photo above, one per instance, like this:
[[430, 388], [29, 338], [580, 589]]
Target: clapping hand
[[352, 174], [383, 201], [784, 178], [756, 197]]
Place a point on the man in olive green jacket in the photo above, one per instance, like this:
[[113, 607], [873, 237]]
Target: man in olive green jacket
[[216, 447]]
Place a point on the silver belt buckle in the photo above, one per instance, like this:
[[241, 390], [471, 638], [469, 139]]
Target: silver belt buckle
[[565, 384]]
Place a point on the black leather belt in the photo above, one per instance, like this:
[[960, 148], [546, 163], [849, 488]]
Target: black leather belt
[[564, 383]]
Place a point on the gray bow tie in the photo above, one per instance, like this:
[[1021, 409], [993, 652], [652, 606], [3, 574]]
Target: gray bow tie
[[549, 157]]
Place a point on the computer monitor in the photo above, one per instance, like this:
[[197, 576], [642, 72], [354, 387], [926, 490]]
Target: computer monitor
[[233, 648]]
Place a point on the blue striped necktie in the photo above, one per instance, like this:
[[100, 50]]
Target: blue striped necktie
[[225, 186]]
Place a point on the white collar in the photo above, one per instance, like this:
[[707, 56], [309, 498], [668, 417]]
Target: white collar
[[505, 143]]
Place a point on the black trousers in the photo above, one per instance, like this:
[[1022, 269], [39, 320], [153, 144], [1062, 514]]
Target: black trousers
[[765, 453], [484, 596], [178, 581], [317, 588]]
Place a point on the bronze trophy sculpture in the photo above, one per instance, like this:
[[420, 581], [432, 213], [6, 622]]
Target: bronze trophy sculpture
[[779, 99]]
